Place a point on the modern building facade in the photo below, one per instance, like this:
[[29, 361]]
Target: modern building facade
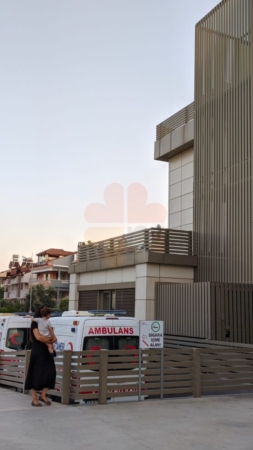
[[208, 146], [174, 144], [218, 127], [223, 185], [121, 273]]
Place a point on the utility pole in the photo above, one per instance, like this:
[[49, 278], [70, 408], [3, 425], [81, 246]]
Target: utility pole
[[26, 260], [31, 289]]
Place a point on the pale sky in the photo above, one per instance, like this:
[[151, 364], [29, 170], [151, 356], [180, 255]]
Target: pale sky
[[83, 84]]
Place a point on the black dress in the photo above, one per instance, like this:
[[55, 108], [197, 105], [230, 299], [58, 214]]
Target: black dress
[[41, 373]]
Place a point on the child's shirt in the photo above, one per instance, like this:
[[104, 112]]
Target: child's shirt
[[43, 326]]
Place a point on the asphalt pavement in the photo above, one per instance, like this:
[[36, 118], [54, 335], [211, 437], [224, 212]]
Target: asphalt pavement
[[208, 423]]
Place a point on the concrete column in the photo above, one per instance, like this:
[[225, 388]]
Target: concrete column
[[146, 277], [73, 292]]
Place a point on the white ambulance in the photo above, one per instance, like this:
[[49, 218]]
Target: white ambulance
[[14, 332], [96, 330]]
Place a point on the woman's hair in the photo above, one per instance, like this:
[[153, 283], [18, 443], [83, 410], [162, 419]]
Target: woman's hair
[[38, 312], [36, 315], [45, 312]]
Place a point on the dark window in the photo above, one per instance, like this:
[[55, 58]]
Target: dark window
[[17, 338], [111, 343], [87, 300], [125, 300]]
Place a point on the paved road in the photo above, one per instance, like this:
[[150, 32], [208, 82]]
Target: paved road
[[209, 423]]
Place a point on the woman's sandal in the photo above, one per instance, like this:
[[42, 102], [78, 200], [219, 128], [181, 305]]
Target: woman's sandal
[[36, 404], [47, 402]]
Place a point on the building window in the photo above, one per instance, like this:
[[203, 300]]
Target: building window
[[107, 300], [46, 276]]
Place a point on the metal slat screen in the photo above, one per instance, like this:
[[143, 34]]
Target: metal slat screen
[[223, 144], [177, 120], [88, 300], [125, 300]]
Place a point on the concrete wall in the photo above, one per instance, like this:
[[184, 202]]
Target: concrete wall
[[181, 191], [120, 275], [175, 142], [147, 275], [143, 275], [64, 261]]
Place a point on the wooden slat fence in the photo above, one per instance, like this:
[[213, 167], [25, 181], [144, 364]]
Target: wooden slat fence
[[139, 374], [172, 376], [84, 371], [59, 365], [171, 341], [13, 367], [226, 370], [122, 376]]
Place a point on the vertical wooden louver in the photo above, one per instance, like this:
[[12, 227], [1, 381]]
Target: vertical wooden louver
[[223, 144]]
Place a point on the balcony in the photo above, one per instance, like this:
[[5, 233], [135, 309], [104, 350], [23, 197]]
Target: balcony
[[175, 134], [153, 245], [62, 284]]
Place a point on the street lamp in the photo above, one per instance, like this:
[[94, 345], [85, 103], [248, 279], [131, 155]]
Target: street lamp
[[31, 290]]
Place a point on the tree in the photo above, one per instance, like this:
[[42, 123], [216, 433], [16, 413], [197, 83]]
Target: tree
[[64, 304], [1, 292], [41, 296], [10, 306]]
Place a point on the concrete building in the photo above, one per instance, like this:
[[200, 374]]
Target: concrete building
[[209, 150], [121, 273], [3, 276], [218, 127], [174, 144], [53, 272], [51, 269]]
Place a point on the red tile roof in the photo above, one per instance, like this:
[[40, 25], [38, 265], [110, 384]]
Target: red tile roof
[[55, 252]]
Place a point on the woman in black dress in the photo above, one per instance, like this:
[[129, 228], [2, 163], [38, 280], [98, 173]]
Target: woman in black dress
[[41, 373]]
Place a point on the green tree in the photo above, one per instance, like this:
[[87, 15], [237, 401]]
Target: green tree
[[1, 292], [41, 296], [10, 306], [64, 304]]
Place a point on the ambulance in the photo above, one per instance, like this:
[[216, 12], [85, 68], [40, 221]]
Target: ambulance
[[95, 330], [14, 332]]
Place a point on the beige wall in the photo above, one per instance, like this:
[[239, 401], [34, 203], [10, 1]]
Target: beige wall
[[181, 191], [119, 275], [145, 276]]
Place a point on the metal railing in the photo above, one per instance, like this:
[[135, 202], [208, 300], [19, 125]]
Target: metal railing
[[157, 240], [177, 120]]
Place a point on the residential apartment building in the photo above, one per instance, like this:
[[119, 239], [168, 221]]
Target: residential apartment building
[[51, 269], [3, 276]]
